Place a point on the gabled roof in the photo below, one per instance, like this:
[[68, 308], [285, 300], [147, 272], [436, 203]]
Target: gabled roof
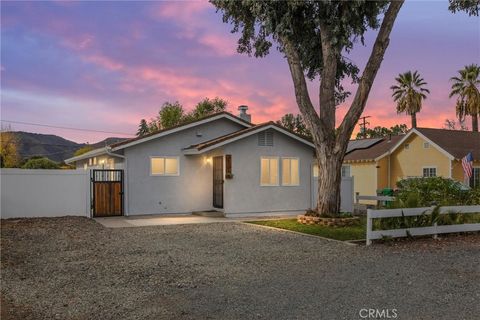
[[372, 151], [454, 144], [457, 143], [231, 137], [162, 133], [158, 134]]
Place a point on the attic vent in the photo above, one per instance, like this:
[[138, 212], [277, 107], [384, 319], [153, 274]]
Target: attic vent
[[265, 138]]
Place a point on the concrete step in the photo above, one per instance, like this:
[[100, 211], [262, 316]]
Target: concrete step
[[212, 214]]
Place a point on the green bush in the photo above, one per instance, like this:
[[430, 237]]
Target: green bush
[[425, 192], [40, 163]]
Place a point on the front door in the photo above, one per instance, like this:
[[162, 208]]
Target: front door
[[218, 182]]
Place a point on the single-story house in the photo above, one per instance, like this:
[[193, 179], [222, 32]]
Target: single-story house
[[221, 162], [422, 152]]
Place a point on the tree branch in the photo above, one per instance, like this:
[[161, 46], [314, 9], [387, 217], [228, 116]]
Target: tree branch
[[301, 91], [358, 105], [327, 84]]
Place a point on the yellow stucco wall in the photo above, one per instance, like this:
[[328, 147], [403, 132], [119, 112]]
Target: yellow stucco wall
[[410, 162], [382, 173], [364, 174], [457, 169]]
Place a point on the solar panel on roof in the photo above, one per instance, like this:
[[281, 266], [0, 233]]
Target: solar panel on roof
[[362, 144]]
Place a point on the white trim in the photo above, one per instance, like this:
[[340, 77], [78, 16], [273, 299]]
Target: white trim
[[418, 133], [241, 136], [298, 171], [181, 128], [164, 163], [429, 167], [86, 155], [278, 171]]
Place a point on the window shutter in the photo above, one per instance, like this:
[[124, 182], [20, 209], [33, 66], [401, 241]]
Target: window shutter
[[228, 166]]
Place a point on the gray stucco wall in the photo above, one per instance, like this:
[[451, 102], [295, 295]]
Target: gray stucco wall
[[243, 193], [190, 191]]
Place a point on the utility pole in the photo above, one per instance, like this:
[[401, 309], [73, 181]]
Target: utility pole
[[363, 125]]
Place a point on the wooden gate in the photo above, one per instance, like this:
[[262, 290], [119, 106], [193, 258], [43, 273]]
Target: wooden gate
[[107, 192], [218, 182]]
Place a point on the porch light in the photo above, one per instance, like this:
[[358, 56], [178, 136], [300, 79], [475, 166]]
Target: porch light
[[207, 160]]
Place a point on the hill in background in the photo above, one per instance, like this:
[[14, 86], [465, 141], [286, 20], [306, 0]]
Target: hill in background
[[51, 146]]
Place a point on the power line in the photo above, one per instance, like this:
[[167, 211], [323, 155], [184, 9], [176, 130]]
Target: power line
[[67, 128]]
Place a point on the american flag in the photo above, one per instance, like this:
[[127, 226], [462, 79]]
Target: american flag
[[467, 164]]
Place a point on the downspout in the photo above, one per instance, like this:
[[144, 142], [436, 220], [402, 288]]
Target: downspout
[[125, 184]]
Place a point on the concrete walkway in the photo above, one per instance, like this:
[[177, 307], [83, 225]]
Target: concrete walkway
[[165, 220]]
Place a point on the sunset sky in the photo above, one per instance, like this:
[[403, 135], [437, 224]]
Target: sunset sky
[[106, 65]]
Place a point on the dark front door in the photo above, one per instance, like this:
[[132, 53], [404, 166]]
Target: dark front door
[[107, 193], [218, 182]]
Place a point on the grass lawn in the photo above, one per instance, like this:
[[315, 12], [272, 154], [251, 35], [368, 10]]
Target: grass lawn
[[356, 232]]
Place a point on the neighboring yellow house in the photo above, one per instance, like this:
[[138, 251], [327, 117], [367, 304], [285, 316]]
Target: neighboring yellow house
[[422, 152]]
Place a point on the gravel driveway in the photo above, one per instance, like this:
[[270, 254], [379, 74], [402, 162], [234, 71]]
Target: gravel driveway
[[74, 268]]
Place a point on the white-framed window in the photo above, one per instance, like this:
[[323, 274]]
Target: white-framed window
[[90, 161], [407, 146], [429, 172], [164, 166], [345, 171], [269, 171], [426, 145], [290, 172], [94, 161], [475, 179]]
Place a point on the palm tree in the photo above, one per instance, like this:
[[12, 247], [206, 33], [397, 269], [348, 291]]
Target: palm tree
[[465, 86], [409, 94]]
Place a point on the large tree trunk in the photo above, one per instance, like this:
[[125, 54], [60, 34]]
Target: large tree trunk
[[414, 120], [331, 143], [329, 181], [475, 123]]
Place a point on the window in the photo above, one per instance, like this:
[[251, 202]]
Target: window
[[426, 145], [429, 172], [290, 174], [90, 161], [164, 166], [475, 179], [269, 172], [265, 138], [345, 171], [407, 146]]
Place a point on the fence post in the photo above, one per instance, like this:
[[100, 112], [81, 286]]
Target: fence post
[[356, 197], [369, 226]]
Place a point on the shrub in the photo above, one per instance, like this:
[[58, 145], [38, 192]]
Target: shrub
[[424, 192], [40, 163]]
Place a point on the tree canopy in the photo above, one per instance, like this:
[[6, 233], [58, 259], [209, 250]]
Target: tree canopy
[[40, 163], [173, 114], [380, 132], [295, 124], [82, 150], [299, 23], [9, 157]]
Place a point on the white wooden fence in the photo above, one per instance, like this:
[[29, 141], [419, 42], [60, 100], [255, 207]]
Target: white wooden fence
[[408, 212]]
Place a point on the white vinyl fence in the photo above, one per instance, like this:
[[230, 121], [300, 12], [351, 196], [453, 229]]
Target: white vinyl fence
[[44, 193], [408, 212], [346, 194]]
